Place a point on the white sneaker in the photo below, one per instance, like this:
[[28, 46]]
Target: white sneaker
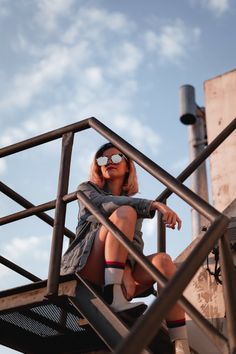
[[182, 347], [114, 296]]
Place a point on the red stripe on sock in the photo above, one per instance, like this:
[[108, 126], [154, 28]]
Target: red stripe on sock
[[112, 264], [177, 323]]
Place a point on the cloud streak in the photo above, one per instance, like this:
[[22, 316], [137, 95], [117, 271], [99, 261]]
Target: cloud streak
[[217, 7], [172, 42]]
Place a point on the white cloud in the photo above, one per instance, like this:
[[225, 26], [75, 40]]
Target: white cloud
[[31, 253], [41, 122], [11, 135], [19, 248], [125, 59], [3, 166], [94, 76], [42, 76], [172, 41], [78, 87], [218, 7], [4, 9], [136, 131], [92, 23], [50, 12], [150, 227]]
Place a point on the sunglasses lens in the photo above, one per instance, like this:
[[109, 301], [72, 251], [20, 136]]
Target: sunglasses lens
[[116, 158], [102, 160]]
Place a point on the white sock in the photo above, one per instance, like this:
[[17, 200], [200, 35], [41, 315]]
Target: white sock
[[113, 275], [177, 329], [113, 290]]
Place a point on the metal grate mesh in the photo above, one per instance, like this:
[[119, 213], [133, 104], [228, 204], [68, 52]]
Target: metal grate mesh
[[45, 320]]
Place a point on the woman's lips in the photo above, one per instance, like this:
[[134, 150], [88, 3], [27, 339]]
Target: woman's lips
[[111, 168]]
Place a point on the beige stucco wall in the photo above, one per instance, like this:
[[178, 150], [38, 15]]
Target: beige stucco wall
[[220, 103], [203, 291]]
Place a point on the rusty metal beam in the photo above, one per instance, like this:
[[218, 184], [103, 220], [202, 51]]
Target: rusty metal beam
[[229, 289], [18, 269], [44, 138], [60, 214], [31, 209]]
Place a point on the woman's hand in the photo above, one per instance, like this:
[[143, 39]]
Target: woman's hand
[[170, 218], [128, 283]]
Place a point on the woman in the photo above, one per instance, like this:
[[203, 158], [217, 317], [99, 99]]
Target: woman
[[112, 183]]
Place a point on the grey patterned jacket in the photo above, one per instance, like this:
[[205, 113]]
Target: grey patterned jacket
[[76, 255]]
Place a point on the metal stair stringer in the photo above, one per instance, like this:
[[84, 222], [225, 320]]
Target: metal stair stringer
[[110, 328]]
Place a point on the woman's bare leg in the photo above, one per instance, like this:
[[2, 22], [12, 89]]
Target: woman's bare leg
[[176, 317], [106, 246], [108, 253], [165, 265]]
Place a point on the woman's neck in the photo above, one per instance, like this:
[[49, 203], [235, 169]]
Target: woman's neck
[[115, 187]]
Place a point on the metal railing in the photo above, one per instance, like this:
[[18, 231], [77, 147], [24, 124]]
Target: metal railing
[[144, 330]]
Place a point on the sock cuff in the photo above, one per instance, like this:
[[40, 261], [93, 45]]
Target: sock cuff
[[114, 264], [177, 329], [176, 323]]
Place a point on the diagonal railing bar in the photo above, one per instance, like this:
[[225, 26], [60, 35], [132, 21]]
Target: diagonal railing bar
[[28, 212], [155, 170], [44, 138], [30, 209], [161, 233], [229, 289], [200, 158], [214, 335], [18, 269], [144, 330], [60, 214]]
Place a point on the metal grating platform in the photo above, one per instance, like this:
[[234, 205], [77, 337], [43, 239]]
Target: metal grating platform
[[33, 324], [46, 327]]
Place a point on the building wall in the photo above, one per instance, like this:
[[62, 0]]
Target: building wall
[[220, 103], [203, 291]]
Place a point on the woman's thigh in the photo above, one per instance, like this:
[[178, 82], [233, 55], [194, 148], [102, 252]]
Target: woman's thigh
[[94, 267], [144, 280]]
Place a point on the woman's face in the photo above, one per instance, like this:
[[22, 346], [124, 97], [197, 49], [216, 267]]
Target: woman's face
[[114, 170]]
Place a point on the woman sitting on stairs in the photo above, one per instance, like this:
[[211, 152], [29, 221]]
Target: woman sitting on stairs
[[100, 258]]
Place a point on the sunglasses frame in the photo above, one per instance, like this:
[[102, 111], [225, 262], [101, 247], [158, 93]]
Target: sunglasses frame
[[111, 158]]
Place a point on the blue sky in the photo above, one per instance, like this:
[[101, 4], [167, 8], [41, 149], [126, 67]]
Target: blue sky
[[120, 61]]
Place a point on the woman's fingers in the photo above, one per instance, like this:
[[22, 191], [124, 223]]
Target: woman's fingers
[[170, 219]]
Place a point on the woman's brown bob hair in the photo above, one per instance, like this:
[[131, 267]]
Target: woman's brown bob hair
[[131, 184]]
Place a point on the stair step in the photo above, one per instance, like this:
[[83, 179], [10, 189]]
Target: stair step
[[32, 323]]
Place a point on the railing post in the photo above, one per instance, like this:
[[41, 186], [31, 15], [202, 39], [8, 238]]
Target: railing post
[[229, 289], [161, 232], [60, 214]]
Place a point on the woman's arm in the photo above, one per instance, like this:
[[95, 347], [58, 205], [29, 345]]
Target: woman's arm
[[170, 218], [108, 203]]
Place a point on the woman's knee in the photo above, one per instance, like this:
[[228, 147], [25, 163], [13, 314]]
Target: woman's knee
[[163, 262], [125, 212]]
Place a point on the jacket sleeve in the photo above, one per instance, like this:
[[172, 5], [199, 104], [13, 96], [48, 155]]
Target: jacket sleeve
[[108, 203]]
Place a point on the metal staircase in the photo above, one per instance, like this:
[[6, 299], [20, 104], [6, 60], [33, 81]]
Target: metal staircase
[[32, 323], [48, 316]]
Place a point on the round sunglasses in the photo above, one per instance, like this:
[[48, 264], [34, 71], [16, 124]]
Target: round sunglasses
[[115, 158]]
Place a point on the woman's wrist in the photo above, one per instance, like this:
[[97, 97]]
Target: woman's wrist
[[155, 205]]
